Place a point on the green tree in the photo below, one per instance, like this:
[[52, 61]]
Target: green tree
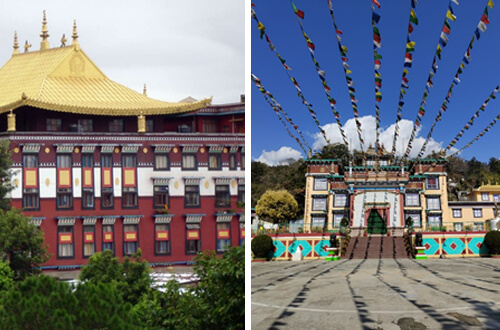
[[217, 302], [131, 277], [38, 303], [337, 151], [21, 244], [5, 174], [277, 206], [6, 277]]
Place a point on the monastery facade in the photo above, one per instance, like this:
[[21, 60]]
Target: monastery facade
[[99, 166]]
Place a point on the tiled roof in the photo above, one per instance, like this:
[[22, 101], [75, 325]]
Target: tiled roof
[[65, 79]]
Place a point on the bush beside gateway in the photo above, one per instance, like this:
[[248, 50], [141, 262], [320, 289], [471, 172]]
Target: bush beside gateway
[[492, 242], [263, 247]]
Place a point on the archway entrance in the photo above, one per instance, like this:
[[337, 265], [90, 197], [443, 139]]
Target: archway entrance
[[376, 225]]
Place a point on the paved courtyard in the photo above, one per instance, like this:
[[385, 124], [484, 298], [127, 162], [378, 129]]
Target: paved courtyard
[[377, 294]]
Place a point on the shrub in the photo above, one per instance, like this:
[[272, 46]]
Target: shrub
[[492, 242], [262, 246]]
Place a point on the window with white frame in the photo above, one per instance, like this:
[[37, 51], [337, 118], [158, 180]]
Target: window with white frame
[[495, 198], [88, 240], [320, 184], [432, 182], [214, 162], [478, 213], [319, 203], [161, 162], [130, 239], [412, 199], [417, 219], [340, 200], [485, 197], [223, 236], [458, 226], [337, 218], [433, 203], [65, 245], [189, 162], [478, 226], [457, 213], [162, 236], [434, 221], [318, 222]]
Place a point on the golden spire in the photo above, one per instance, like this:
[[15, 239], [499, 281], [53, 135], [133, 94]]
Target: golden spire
[[45, 43], [63, 40], [16, 44], [145, 91], [75, 34], [26, 46]]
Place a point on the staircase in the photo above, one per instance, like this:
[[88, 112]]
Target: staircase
[[376, 247]]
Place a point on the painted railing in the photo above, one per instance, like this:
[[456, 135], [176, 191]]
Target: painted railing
[[447, 244]]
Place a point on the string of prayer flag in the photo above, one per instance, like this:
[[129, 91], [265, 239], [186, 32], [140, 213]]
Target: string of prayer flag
[[377, 44]]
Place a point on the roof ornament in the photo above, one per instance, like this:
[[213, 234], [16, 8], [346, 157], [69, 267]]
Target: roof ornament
[[27, 46], [145, 91], [44, 45], [63, 40], [75, 34], [16, 44]]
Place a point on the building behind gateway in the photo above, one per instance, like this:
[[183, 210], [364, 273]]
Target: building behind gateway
[[99, 166]]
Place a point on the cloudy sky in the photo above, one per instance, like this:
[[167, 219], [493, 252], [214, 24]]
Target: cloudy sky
[[178, 48]]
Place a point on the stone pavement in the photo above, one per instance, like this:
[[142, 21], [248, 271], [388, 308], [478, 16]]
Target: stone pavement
[[377, 294]]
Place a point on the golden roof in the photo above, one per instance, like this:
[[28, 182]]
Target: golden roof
[[488, 188], [65, 79]]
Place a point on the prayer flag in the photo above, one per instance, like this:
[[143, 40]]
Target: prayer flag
[[298, 12], [375, 17], [450, 15], [414, 3], [484, 19], [446, 29], [481, 26], [455, 1], [410, 28], [413, 17], [261, 28], [478, 35], [375, 2], [490, 3]]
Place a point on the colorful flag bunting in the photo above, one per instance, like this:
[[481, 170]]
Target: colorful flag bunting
[[413, 17], [298, 12]]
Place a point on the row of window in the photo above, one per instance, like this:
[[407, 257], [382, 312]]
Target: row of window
[[485, 197], [339, 200], [431, 183], [320, 221], [130, 238], [161, 161], [477, 213]]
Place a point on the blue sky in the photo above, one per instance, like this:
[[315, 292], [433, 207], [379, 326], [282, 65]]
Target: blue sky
[[271, 142]]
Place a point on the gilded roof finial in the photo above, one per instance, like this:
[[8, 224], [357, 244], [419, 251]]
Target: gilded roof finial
[[27, 46], [75, 34], [16, 44], [63, 40], [45, 43], [145, 91]]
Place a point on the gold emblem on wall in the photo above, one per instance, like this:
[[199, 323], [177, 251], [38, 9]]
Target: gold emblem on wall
[[77, 150], [77, 182], [202, 150], [207, 184], [117, 181], [225, 150], [117, 150], [175, 150], [322, 169], [176, 184], [16, 150], [47, 150], [145, 150], [47, 182], [16, 183], [233, 183]]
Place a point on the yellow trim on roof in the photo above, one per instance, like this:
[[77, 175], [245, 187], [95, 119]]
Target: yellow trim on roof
[[65, 79]]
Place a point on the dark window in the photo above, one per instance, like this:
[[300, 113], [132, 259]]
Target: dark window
[[214, 162], [88, 240], [129, 161], [130, 239], [129, 198], [189, 162], [193, 239], [162, 239], [242, 233], [116, 125], [222, 198], [432, 182], [107, 198], [107, 160], [30, 161], [65, 245], [88, 198], [64, 198], [242, 161], [161, 162], [85, 125], [54, 125], [209, 126], [31, 197], [192, 196], [63, 161], [160, 196], [108, 238], [223, 236], [232, 162], [87, 160], [150, 125], [241, 193]]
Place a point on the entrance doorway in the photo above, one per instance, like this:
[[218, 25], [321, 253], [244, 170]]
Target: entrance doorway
[[376, 225]]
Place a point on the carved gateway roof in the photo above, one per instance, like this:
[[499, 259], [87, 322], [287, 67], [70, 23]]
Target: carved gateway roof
[[65, 79]]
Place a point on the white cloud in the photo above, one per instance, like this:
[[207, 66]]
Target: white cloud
[[281, 156], [368, 134]]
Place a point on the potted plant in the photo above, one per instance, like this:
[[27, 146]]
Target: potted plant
[[263, 248]]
